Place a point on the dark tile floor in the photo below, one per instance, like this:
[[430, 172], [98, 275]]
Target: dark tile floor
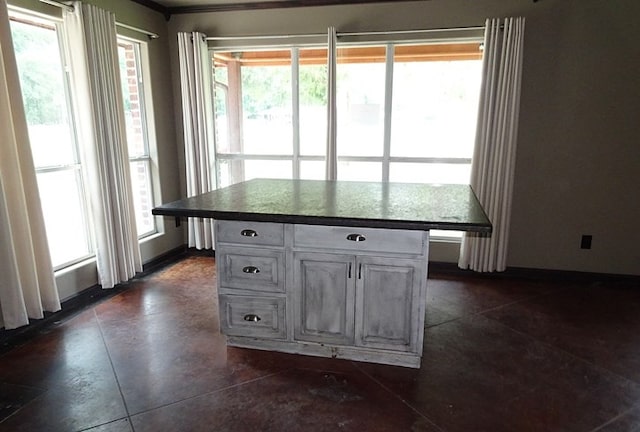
[[500, 355]]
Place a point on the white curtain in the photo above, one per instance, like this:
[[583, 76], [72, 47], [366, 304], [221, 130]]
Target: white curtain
[[197, 121], [27, 283], [332, 115], [495, 149], [93, 54]]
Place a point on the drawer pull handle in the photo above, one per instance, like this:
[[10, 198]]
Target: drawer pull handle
[[252, 318], [248, 233], [251, 269], [356, 237]]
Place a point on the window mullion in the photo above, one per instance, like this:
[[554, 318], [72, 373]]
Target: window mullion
[[295, 107], [388, 103]]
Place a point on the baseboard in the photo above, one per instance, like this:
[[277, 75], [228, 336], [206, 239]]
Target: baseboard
[[163, 260], [201, 252], [526, 273]]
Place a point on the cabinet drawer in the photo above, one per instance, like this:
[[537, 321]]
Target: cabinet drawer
[[252, 316], [254, 233], [359, 239], [251, 268]]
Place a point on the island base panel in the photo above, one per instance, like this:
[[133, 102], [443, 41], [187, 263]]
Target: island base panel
[[322, 350]]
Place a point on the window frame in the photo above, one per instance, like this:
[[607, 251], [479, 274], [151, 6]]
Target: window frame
[[147, 134], [386, 159], [51, 23]]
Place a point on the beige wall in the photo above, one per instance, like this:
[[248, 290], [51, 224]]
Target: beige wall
[[71, 281], [578, 160]]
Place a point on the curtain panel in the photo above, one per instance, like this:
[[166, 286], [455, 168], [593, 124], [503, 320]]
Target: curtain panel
[[27, 283], [492, 171], [93, 55], [197, 124]]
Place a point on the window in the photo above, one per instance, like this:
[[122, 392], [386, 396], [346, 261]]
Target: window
[[45, 93], [406, 112], [131, 77], [260, 130]]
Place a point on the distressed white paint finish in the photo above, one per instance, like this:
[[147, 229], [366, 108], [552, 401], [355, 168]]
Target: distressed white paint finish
[[370, 240], [388, 303], [324, 294], [319, 294], [250, 233], [252, 316], [251, 268]]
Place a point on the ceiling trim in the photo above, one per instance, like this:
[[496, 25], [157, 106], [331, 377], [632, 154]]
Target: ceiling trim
[[243, 6]]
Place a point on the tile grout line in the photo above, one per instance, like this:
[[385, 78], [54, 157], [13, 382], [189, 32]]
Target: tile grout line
[[484, 311], [113, 368], [222, 389], [392, 393], [619, 416], [548, 345], [90, 428], [569, 353], [25, 406]]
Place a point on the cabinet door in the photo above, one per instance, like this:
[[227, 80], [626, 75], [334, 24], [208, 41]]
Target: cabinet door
[[388, 303], [324, 295]]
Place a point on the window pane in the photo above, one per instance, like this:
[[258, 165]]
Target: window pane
[[129, 55], [267, 169], [361, 171], [429, 173], [312, 170], [142, 197], [360, 100], [226, 122], [235, 171], [435, 107], [132, 93], [64, 216], [229, 172], [266, 107], [43, 92], [52, 137], [313, 101], [257, 101]]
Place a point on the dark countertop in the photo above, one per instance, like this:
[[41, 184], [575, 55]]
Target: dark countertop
[[315, 202]]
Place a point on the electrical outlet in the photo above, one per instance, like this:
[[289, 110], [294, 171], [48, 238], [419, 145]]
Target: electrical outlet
[[585, 242]]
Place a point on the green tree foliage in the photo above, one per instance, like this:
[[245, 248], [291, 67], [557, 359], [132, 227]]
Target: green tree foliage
[[265, 88], [313, 85], [39, 68]]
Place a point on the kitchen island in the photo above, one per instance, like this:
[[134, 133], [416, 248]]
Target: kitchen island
[[328, 268]]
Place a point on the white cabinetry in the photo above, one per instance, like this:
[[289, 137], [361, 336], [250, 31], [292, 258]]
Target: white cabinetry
[[355, 293], [251, 279], [324, 297]]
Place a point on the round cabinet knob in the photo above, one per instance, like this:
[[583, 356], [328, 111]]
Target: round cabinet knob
[[251, 318], [356, 237]]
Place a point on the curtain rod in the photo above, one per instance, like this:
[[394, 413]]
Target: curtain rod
[[339, 34], [70, 8], [58, 4], [139, 30]]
